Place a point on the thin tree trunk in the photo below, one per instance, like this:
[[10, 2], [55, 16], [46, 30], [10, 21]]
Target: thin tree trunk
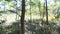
[[47, 18], [46, 13], [22, 17]]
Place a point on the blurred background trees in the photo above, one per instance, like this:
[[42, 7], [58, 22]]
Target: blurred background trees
[[35, 16]]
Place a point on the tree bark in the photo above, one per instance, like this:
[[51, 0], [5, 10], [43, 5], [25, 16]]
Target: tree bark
[[46, 13], [22, 17]]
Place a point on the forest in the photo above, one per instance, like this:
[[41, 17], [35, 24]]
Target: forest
[[29, 16]]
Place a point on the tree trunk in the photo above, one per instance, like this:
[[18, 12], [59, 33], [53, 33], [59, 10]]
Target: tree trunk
[[46, 13], [22, 17]]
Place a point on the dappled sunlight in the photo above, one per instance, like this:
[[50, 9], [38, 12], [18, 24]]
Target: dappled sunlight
[[30, 17], [50, 17], [10, 18]]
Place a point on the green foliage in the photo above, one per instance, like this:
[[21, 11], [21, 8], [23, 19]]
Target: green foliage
[[8, 0], [32, 3], [58, 15], [33, 26]]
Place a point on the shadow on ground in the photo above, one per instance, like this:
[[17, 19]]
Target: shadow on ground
[[35, 26]]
